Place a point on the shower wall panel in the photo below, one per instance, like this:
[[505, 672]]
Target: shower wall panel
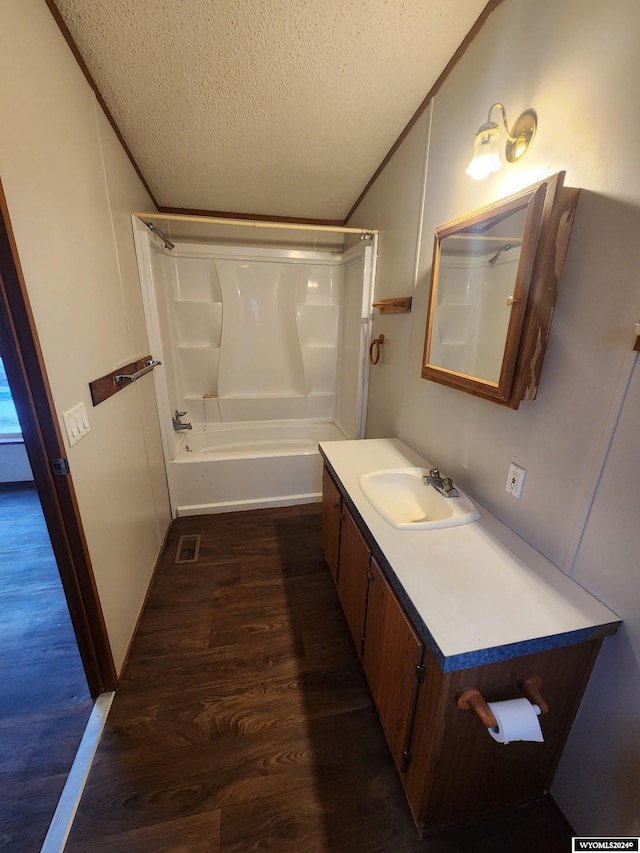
[[354, 334], [260, 353], [319, 298], [250, 339], [164, 335]]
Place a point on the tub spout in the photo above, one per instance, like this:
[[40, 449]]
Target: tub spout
[[177, 422]]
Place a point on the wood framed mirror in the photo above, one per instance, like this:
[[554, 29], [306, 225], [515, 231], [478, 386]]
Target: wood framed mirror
[[494, 283]]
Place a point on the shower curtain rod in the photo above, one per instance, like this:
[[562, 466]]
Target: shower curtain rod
[[255, 223]]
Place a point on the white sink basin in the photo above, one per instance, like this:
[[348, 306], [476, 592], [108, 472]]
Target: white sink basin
[[402, 499]]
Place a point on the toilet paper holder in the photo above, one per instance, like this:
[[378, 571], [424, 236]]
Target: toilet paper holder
[[472, 698]]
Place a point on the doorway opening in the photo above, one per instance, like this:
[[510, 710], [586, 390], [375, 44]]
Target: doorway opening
[[45, 701]]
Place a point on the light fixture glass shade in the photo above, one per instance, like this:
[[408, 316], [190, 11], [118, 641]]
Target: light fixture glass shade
[[486, 156]]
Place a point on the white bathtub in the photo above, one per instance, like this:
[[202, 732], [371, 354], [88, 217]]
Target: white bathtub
[[248, 466]]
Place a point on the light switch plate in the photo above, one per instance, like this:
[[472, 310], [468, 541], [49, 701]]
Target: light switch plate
[[76, 423]]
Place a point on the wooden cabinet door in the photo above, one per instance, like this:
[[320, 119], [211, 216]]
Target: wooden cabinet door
[[331, 513], [353, 577], [392, 660]]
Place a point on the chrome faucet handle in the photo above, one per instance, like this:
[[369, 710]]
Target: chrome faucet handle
[[179, 415], [448, 489]]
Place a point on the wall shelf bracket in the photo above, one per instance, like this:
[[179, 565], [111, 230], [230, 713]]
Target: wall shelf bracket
[[394, 305]]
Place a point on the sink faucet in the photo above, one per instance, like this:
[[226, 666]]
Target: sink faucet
[[443, 484], [177, 423]]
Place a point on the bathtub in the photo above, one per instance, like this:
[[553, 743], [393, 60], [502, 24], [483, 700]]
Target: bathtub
[[241, 466]]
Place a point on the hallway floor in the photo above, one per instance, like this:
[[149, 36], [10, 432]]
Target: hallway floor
[[44, 700], [243, 721]]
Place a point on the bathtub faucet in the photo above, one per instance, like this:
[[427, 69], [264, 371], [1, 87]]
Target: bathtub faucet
[[177, 423]]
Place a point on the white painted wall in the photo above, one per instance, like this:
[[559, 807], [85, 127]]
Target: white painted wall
[[393, 206], [576, 63], [599, 778], [70, 190]]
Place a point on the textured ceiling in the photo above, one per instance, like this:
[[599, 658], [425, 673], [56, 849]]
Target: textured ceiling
[[273, 107]]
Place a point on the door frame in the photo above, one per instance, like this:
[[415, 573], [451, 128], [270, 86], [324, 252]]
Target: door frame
[[43, 441]]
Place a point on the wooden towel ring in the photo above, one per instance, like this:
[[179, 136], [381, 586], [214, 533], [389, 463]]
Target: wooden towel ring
[[377, 344]]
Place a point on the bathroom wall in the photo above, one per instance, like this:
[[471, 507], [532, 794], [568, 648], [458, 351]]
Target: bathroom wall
[[393, 205], [576, 64], [70, 190]]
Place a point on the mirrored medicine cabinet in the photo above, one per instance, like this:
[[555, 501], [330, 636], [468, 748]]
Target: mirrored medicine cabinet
[[494, 283]]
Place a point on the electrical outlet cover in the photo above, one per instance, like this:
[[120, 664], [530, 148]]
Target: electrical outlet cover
[[515, 480]]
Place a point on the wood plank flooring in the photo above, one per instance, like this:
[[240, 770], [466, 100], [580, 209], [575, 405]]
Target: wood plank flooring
[[243, 721], [44, 700]]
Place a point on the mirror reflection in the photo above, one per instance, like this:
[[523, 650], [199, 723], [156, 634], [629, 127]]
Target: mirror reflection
[[477, 279]]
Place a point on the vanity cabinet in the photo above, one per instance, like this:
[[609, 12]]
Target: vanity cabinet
[[392, 660], [458, 771], [331, 522], [353, 577], [450, 767]]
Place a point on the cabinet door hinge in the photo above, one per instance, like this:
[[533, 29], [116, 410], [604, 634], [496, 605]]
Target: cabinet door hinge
[[420, 670], [60, 466], [407, 755]]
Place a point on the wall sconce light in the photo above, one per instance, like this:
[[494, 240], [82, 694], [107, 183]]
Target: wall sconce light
[[486, 147]]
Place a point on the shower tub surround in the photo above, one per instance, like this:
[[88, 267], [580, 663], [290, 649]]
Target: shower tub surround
[[249, 466], [263, 349]]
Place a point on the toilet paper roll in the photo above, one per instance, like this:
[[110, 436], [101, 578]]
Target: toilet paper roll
[[517, 720]]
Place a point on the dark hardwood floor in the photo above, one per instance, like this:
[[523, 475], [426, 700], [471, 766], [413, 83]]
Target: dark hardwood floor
[[243, 721], [44, 700]]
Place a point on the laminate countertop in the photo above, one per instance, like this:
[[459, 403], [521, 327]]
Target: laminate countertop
[[477, 593]]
